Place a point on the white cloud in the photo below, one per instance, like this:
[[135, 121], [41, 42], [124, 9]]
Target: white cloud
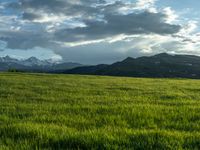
[[79, 43], [146, 4], [171, 15], [15, 28], [190, 27]]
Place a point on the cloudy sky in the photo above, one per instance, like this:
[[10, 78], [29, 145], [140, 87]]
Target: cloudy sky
[[98, 31]]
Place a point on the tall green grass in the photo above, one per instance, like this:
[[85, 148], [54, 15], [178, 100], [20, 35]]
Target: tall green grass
[[40, 111]]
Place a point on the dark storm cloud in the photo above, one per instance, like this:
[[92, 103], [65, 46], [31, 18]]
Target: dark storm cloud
[[101, 20], [33, 8], [140, 23], [24, 39], [30, 16]]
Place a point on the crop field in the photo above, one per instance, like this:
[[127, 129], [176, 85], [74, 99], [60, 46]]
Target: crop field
[[41, 111]]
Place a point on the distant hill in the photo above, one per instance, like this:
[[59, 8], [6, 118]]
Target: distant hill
[[33, 64], [161, 65]]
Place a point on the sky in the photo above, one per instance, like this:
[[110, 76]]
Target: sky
[[98, 31]]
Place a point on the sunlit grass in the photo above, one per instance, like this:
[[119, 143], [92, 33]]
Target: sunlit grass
[[40, 111]]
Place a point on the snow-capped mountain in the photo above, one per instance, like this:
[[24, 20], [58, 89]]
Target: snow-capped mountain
[[33, 61], [34, 64], [8, 59]]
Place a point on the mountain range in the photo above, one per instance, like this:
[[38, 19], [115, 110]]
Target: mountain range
[[160, 65], [33, 64]]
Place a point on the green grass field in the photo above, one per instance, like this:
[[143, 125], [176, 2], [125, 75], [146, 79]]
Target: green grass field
[[39, 111]]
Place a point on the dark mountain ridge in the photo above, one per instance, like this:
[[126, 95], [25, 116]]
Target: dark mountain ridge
[[160, 65]]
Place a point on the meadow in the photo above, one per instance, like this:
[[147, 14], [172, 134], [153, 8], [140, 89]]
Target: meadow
[[44, 111]]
